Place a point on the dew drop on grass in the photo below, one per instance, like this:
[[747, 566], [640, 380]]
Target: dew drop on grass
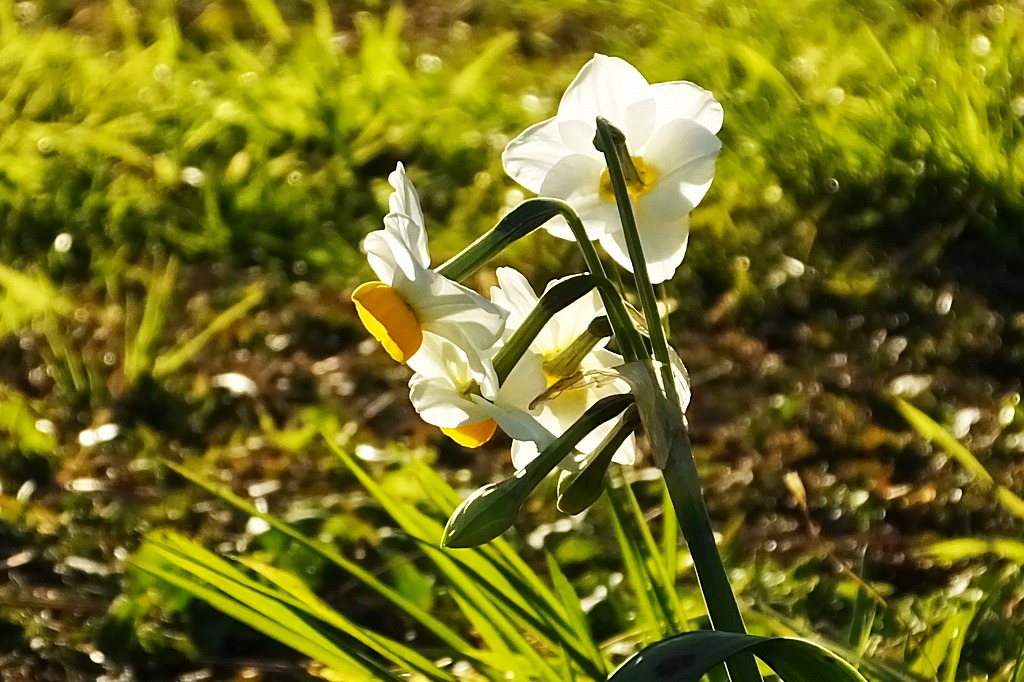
[[1017, 105], [192, 176], [45, 145], [429, 63], [62, 243], [161, 73], [832, 185], [836, 96], [980, 45]]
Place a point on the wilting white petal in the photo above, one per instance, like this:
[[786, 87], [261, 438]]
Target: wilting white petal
[[405, 200]]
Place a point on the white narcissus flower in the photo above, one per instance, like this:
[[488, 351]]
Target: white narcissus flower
[[670, 131], [567, 389], [411, 302], [445, 392]]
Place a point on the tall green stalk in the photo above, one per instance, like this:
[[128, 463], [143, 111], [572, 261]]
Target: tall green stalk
[[680, 470]]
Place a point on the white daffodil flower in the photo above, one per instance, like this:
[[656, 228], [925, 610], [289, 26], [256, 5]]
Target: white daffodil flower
[[411, 302], [445, 392], [670, 131], [570, 378]]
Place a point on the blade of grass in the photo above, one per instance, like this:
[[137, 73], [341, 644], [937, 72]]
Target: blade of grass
[[172, 360], [139, 351], [267, 616], [432, 624], [429, 532], [929, 429]]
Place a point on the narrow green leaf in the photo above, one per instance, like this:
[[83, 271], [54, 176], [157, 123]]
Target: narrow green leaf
[[577, 617], [686, 657], [264, 614], [434, 625], [172, 360], [931, 430], [474, 600]]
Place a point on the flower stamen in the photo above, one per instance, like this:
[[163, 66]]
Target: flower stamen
[[640, 178]]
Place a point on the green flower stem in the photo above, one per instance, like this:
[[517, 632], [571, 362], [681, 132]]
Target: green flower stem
[[521, 221], [612, 143], [630, 343], [680, 471], [556, 298], [492, 509]]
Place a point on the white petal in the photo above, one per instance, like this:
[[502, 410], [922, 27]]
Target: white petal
[[438, 403], [684, 153], [608, 87], [682, 99], [576, 180], [404, 199], [567, 325], [378, 253], [524, 383], [523, 452], [528, 158], [514, 295], [626, 454], [664, 247], [518, 424], [411, 234]]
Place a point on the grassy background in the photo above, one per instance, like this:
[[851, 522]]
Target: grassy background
[[183, 187]]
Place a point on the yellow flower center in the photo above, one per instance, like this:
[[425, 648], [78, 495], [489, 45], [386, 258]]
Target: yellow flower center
[[390, 320], [472, 435], [637, 184]]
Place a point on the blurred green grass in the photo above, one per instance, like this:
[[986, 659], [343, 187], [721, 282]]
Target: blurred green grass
[[263, 137]]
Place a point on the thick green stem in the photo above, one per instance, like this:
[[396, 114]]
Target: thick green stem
[[680, 470], [630, 343], [611, 142]]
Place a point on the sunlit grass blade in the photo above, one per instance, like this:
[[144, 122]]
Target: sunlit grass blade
[[651, 619], [142, 340], [429, 622], [262, 613], [774, 622], [928, 428], [474, 597], [172, 360], [290, 591], [516, 572], [637, 532], [577, 618], [941, 653], [960, 549], [397, 653]]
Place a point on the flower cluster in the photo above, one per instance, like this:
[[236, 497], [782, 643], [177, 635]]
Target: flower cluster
[[538, 366]]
